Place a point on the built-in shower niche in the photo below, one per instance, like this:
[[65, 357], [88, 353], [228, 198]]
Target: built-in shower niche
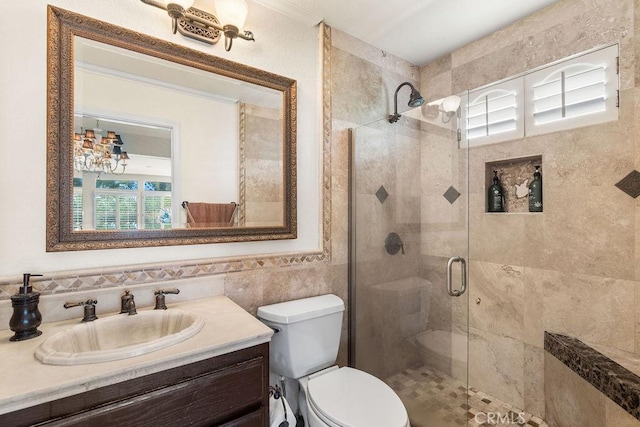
[[515, 176]]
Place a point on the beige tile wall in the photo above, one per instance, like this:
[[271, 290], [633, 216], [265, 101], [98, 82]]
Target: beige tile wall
[[574, 268], [364, 80]]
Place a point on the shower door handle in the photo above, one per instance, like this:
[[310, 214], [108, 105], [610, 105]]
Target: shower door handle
[[463, 284]]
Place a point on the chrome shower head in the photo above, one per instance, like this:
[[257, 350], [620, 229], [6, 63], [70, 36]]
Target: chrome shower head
[[415, 100]]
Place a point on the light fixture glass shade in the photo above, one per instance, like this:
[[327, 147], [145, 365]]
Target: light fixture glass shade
[[450, 104], [231, 12], [186, 4]]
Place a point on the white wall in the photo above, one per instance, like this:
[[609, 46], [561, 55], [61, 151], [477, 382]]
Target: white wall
[[283, 46]]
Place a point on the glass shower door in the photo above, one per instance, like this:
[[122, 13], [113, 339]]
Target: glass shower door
[[409, 243]]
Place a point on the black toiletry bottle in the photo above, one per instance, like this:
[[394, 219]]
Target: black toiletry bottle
[[495, 195], [26, 317], [535, 192]]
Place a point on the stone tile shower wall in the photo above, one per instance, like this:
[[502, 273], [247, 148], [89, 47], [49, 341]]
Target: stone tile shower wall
[[574, 268], [387, 198], [385, 156]]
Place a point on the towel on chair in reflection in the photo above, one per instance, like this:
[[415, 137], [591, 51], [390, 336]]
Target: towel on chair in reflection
[[201, 215]]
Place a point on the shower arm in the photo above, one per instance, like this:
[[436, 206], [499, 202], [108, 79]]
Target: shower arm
[[395, 117]]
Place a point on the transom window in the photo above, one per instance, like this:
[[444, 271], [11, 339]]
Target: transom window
[[578, 91]]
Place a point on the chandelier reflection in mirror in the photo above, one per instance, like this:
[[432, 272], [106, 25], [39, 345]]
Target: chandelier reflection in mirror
[[99, 154], [207, 27]]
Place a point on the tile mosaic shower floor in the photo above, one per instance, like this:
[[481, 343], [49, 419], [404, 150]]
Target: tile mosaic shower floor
[[437, 400]]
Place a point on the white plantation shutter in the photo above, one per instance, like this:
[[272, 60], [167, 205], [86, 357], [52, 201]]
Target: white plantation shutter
[[77, 212], [577, 92], [115, 211], [495, 113]]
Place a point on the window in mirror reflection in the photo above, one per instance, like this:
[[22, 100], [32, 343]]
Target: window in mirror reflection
[[138, 197], [116, 211], [128, 205], [77, 203]]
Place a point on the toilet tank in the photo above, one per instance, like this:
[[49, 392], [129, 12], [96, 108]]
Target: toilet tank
[[308, 334]]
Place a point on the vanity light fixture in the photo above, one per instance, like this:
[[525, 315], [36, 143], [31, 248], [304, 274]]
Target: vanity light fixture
[[99, 154], [206, 27], [448, 106]]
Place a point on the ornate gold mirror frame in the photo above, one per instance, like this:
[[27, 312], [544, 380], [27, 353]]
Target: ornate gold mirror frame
[[63, 26]]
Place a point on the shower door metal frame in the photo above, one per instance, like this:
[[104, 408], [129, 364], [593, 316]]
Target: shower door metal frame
[[351, 322]]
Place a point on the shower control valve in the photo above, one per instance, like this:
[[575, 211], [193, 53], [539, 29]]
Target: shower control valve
[[393, 244]]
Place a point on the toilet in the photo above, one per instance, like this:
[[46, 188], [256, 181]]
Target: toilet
[[304, 348]]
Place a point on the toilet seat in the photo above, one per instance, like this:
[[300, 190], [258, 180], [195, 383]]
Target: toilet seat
[[347, 397]]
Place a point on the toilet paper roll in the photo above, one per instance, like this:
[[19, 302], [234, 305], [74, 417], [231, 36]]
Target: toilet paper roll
[[277, 412]]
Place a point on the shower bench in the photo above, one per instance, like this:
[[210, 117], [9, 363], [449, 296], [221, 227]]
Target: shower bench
[[585, 386]]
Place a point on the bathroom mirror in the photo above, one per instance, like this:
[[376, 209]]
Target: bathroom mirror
[[145, 135]]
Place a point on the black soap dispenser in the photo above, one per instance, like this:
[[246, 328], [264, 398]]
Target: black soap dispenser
[[535, 192], [495, 195], [26, 317]]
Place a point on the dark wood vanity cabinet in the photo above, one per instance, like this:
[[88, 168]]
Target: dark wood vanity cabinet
[[231, 390]]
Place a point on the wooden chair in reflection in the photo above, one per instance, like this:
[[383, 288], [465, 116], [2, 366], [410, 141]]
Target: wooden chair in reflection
[[210, 215]]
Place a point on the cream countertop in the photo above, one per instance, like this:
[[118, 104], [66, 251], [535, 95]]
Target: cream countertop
[[27, 382]]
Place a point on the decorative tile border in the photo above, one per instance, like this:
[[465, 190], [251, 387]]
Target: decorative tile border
[[613, 380], [326, 140], [242, 116], [69, 281]]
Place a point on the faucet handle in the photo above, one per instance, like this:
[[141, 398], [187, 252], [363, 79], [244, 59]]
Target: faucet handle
[[89, 308], [127, 304], [160, 299]]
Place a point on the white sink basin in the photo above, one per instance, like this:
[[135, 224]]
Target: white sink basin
[[118, 337]]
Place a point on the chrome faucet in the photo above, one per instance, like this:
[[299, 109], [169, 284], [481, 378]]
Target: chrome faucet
[[127, 304]]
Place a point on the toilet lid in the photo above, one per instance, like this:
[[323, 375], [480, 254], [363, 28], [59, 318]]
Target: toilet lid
[[352, 398]]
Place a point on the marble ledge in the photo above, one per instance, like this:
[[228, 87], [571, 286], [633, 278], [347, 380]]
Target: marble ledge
[[608, 376], [27, 382]]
